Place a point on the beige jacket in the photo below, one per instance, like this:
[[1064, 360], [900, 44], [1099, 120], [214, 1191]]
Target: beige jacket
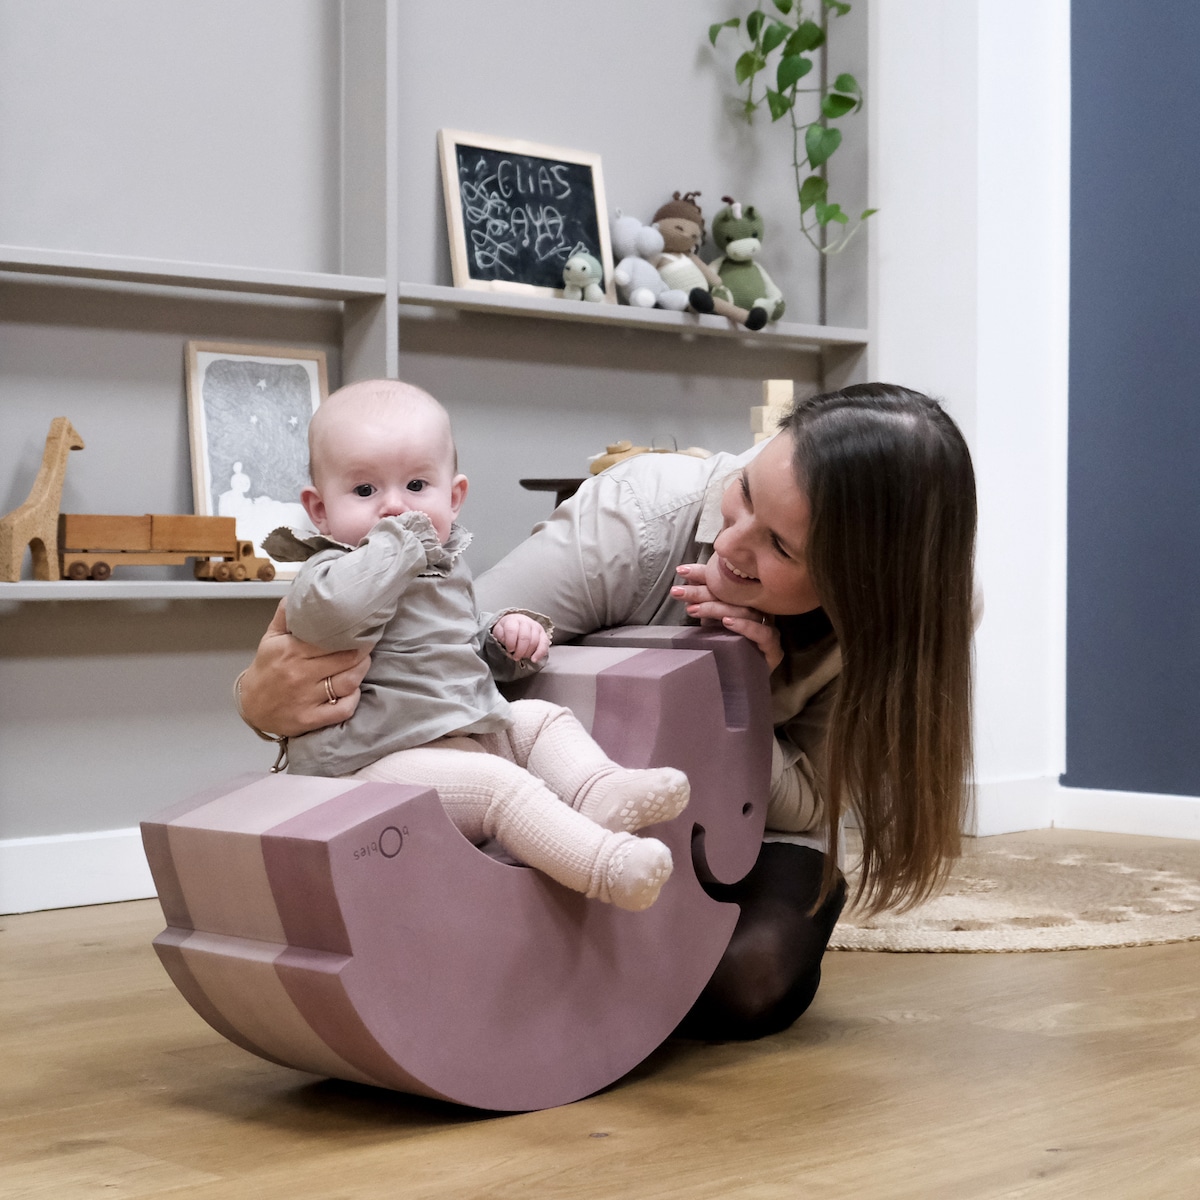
[[607, 557]]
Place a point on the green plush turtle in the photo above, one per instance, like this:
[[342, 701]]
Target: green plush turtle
[[738, 232]]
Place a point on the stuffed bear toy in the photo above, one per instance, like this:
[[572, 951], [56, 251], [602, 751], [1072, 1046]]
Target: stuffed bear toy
[[583, 277], [738, 234], [637, 247], [681, 224]]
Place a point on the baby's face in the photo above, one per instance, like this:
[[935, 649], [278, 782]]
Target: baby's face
[[383, 466]]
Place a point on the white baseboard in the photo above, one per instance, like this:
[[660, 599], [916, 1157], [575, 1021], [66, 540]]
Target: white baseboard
[[1012, 805], [73, 869], [1145, 813]]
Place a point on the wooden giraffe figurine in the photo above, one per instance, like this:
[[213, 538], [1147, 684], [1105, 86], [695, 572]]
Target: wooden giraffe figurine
[[35, 523]]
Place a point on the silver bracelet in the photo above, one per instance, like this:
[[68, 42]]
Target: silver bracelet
[[280, 740]]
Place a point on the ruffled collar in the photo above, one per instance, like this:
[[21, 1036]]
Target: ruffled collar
[[296, 545]]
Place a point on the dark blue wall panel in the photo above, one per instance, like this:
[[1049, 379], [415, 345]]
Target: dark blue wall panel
[[1133, 560]]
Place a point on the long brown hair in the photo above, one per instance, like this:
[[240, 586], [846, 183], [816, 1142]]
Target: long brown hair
[[891, 552]]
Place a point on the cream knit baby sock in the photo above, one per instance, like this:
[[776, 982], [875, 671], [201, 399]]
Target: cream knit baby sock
[[632, 874], [627, 800]]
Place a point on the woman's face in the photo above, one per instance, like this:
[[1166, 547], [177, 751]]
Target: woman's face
[[758, 558]]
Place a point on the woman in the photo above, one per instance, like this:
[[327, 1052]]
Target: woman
[[843, 548]]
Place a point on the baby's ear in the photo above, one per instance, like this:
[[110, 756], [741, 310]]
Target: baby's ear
[[458, 493], [314, 506]]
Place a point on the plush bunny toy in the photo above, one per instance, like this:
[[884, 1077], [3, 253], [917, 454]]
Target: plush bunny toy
[[682, 227], [637, 247], [738, 233]]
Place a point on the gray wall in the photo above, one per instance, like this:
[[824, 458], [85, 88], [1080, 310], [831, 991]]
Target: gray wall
[[1133, 629], [207, 130]]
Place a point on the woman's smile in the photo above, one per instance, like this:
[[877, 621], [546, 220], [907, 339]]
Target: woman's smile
[[738, 576], [758, 557]]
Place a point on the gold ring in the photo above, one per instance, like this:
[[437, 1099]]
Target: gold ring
[[333, 696]]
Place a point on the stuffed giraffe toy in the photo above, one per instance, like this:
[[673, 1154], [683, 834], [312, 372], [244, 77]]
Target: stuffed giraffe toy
[[35, 523]]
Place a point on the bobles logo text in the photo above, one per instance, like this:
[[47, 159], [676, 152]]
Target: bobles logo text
[[389, 843]]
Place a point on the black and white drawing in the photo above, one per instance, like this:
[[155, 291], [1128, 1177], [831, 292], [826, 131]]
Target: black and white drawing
[[249, 408]]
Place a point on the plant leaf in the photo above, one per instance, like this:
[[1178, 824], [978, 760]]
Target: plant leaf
[[715, 30], [776, 33], [830, 212], [792, 68], [812, 191], [839, 7], [784, 6], [847, 83], [748, 65], [834, 105], [779, 104], [820, 143], [868, 212], [808, 36], [754, 24]]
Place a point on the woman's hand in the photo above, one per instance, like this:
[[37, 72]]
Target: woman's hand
[[749, 622], [284, 689]]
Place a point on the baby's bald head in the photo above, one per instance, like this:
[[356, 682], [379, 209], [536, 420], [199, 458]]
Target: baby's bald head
[[374, 401]]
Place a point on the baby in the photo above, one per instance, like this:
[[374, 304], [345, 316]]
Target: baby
[[386, 572]]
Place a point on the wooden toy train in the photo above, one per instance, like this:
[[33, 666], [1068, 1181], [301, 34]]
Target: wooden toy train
[[90, 545]]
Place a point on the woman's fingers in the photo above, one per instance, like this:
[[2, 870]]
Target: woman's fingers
[[755, 626], [284, 691], [759, 631]]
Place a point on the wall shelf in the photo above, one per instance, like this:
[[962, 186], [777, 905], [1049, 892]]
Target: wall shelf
[[207, 276], [780, 335], [139, 589]]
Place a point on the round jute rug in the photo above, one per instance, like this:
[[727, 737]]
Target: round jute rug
[[1047, 890]]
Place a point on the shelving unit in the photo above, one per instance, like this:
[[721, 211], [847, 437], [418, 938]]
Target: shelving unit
[[138, 589], [782, 334], [162, 154], [206, 276]]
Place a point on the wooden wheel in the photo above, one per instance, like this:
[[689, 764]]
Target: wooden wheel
[[266, 572], [238, 571], [101, 570], [77, 570], [222, 572]]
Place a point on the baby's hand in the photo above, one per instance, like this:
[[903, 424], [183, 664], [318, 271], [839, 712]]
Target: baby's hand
[[522, 637]]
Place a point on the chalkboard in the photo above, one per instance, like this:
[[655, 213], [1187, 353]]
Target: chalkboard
[[516, 211]]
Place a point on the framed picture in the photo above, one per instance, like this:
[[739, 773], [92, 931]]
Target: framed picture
[[248, 412], [516, 211]]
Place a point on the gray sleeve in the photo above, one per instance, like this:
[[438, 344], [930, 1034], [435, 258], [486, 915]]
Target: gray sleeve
[[586, 567], [341, 600]]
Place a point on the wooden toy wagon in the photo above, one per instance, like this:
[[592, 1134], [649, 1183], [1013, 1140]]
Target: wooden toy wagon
[[90, 545]]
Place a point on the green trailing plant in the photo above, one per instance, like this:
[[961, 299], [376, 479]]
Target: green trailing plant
[[780, 47]]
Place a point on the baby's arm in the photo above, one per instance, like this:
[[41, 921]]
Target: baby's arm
[[341, 600], [514, 643]]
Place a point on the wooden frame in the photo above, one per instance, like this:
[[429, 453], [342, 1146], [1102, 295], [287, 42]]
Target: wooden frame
[[546, 203], [248, 413]]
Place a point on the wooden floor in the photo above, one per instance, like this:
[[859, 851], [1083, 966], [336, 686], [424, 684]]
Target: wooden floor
[[913, 1077]]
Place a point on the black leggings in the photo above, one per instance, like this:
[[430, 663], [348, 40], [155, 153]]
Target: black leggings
[[771, 969]]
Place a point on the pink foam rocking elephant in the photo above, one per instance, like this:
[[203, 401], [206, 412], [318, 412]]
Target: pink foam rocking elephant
[[348, 929]]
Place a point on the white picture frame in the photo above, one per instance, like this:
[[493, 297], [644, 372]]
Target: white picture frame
[[529, 216], [248, 413]]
